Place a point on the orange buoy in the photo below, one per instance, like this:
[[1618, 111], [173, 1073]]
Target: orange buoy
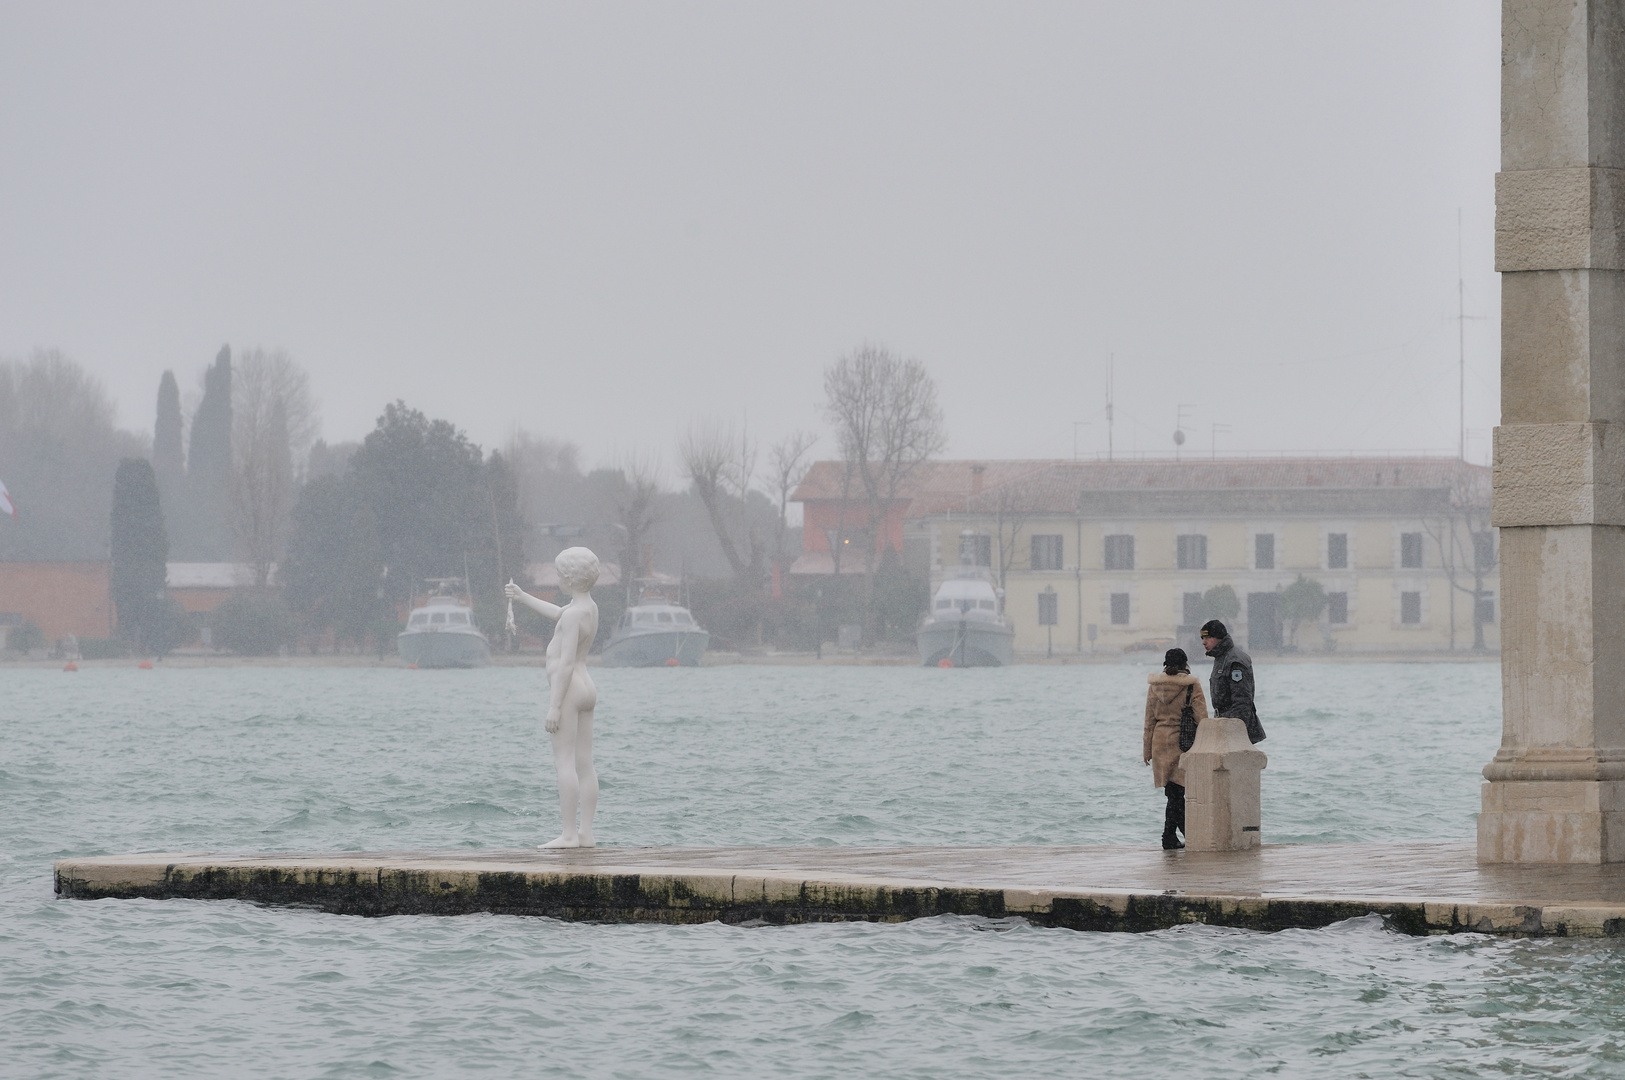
[[945, 663], [411, 667], [145, 665], [672, 661], [70, 666]]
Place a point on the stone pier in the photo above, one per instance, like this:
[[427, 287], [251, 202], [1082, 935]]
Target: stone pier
[[1436, 888], [1556, 788]]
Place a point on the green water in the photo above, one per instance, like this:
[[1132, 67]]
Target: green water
[[114, 760]]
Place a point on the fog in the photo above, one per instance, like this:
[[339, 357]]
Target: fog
[[598, 222]]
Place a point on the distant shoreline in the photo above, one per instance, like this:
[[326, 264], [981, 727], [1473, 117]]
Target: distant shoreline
[[831, 658]]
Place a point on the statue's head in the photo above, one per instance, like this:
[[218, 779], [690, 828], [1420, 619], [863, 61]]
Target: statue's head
[[578, 569]]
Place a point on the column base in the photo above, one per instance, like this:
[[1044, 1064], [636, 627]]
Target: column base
[[1552, 821]]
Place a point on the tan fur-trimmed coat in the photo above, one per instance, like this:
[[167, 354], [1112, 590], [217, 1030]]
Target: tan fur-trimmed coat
[[1163, 700]]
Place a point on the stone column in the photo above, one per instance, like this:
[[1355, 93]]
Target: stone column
[[1556, 788]]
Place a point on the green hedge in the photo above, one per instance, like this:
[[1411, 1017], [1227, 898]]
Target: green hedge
[[254, 625], [102, 648]]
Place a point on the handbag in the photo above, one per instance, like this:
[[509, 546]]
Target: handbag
[[1187, 723]]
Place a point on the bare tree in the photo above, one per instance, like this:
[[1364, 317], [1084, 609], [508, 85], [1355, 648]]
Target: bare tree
[[721, 466], [1011, 506], [787, 463], [59, 451], [1465, 540], [887, 422], [634, 496], [274, 422]]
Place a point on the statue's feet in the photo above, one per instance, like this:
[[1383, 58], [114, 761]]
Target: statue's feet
[[560, 842], [585, 841]]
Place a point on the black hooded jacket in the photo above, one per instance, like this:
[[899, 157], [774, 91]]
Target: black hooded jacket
[[1230, 687]]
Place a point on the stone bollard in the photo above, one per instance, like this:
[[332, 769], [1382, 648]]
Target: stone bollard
[[1222, 787]]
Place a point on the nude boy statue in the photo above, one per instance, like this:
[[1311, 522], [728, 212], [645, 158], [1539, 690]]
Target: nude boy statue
[[571, 693]]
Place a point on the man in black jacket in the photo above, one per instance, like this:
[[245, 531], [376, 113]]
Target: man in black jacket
[[1230, 687]]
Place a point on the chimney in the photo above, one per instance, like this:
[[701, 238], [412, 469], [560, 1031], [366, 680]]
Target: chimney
[[976, 478]]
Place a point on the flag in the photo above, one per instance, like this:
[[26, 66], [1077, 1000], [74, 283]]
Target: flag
[[5, 501]]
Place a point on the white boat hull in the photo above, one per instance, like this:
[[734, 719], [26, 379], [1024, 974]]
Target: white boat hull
[[656, 648], [443, 648], [966, 643]]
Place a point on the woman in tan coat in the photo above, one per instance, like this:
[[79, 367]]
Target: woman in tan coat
[[1164, 701]]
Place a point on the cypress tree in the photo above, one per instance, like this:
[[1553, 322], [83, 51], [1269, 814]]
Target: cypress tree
[[168, 453], [208, 464], [210, 452], [140, 552]]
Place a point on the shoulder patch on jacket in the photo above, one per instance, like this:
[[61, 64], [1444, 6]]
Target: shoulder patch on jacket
[[1235, 674]]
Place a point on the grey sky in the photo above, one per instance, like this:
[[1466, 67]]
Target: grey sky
[[674, 210]]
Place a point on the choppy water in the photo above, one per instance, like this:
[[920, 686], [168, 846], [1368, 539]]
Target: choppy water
[[115, 760]]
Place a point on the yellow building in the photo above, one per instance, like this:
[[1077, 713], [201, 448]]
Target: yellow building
[[1107, 556]]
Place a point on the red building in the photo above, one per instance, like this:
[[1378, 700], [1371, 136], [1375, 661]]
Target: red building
[[75, 598], [60, 598], [835, 508]]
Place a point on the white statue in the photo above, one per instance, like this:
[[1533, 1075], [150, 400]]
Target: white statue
[[571, 693]]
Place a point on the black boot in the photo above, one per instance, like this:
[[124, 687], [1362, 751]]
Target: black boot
[[1173, 817]]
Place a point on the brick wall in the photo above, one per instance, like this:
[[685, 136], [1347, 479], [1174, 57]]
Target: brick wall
[[200, 601], [60, 597]]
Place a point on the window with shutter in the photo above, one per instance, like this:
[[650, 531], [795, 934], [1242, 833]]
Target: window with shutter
[[1337, 551], [1191, 551], [1410, 551], [1047, 552], [1120, 552]]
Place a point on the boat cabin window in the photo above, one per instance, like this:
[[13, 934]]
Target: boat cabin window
[[645, 617], [438, 617], [985, 605], [682, 617], [460, 617], [420, 618], [665, 616], [944, 604]]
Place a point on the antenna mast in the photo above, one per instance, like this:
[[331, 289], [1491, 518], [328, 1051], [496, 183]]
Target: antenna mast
[[1111, 370], [1461, 345]]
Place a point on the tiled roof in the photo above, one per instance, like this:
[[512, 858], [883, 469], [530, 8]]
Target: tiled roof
[[931, 479], [212, 575], [1059, 486]]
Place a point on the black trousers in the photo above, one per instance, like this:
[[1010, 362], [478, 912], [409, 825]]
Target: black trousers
[[1174, 817]]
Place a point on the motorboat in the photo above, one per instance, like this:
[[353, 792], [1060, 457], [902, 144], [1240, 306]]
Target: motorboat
[[443, 634], [964, 627], [656, 632]]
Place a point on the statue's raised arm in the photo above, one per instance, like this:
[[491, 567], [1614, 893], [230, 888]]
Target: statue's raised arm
[[536, 604]]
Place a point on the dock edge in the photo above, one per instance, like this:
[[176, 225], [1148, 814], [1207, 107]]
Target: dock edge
[[356, 887]]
